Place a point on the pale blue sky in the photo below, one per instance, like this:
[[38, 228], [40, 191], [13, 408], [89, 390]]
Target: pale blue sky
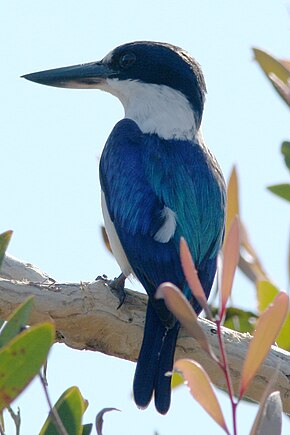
[[51, 140]]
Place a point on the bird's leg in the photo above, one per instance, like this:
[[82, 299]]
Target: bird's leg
[[116, 286]]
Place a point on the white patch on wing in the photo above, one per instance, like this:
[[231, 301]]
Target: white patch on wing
[[155, 108], [115, 243], [166, 232]]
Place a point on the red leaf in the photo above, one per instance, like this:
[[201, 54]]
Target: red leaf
[[201, 389], [267, 329], [230, 262], [177, 303], [191, 276]]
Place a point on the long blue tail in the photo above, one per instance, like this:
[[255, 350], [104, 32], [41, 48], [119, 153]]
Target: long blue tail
[[155, 359], [158, 347]]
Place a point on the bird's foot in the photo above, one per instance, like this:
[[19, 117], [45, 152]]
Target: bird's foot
[[117, 287]]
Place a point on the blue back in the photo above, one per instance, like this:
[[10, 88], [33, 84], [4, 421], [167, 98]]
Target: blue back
[[140, 174]]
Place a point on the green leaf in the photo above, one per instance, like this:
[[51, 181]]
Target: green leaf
[[273, 67], [4, 241], [240, 320], [270, 64], [176, 380], [282, 190], [288, 265], [21, 359], [70, 408], [285, 150], [87, 429], [16, 322], [266, 293], [283, 339]]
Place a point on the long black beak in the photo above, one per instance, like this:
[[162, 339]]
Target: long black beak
[[84, 76]]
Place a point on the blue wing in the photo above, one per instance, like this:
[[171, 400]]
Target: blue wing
[[136, 210]]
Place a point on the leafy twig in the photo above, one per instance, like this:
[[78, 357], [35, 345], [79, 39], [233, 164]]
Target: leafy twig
[[54, 414], [16, 418], [223, 363]]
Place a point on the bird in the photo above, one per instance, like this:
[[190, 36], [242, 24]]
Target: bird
[[159, 182]]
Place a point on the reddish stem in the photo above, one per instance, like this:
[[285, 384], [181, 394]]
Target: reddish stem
[[223, 363]]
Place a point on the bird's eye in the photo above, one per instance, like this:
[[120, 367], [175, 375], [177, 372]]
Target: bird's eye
[[126, 60]]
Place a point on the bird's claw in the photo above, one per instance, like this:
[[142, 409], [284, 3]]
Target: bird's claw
[[116, 286]]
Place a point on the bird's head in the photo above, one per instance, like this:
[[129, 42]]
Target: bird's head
[[161, 86]]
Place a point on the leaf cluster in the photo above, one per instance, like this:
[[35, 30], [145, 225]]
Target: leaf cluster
[[23, 353], [278, 73], [250, 264], [267, 329]]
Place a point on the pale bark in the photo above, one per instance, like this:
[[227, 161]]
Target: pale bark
[[86, 317]]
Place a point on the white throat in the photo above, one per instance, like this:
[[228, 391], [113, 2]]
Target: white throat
[[155, 108]]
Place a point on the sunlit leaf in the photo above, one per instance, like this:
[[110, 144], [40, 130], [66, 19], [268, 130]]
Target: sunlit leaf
[[267, 330], [177, 303], [286, 63], [16, 321], [70, 408], [289, 261], [283, 339], [282, 190], [266, 293], [232, 199], [4, 241], [21, 359], [100, 419], [201, 389], [272, 66], [269, 417], [240, 320], [249, 262], [191, 276], [230, 262], [282, 88], [176, 380], [285, 150]]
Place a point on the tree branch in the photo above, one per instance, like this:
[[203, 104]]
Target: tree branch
[[85, 317]]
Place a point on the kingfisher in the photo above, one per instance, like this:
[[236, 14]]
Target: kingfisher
[[159, 182]]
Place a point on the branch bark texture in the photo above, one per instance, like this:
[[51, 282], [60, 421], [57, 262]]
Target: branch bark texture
[[86, 317]]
